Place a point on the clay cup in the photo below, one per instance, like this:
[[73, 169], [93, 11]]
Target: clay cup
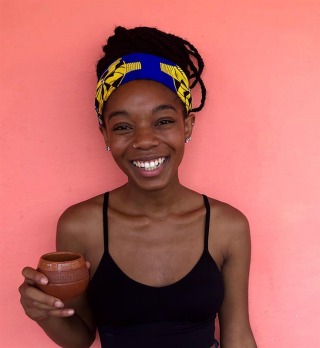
[[67, 273]]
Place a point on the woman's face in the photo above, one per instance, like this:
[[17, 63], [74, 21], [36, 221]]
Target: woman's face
[[146, 131]]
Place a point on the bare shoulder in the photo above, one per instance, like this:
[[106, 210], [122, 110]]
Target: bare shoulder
[[230, 219], [77, 222], [231, 228], [81, 213]]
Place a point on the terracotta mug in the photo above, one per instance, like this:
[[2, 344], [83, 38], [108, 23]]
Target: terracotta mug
[[67, 273]]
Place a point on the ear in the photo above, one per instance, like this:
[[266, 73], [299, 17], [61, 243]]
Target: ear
[[104, 133], [188, 125]]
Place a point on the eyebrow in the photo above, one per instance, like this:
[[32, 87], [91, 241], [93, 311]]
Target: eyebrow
[[118, 113], [164, 107], [154, 110]]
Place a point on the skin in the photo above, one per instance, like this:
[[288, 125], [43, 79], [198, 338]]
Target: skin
[[155, 224]]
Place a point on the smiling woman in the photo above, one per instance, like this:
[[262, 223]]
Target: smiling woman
[[164, 260]]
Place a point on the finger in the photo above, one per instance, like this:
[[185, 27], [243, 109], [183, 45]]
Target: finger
[[68, 312], [22, 288], [30, 282], [40, 314], [34, 295], [43, 306], [33, 276]]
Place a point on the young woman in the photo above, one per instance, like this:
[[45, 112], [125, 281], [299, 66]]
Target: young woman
[[164, 260]]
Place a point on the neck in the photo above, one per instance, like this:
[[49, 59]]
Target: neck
[[155, 203]]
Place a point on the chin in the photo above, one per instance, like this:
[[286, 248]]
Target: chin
[[151, 185]]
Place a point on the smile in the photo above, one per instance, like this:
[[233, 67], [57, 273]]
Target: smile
[[150, 165]]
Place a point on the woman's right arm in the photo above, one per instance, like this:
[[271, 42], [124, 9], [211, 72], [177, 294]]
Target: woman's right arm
[[68, 324]]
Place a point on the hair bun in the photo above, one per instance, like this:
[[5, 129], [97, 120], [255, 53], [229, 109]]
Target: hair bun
[[120, 30]]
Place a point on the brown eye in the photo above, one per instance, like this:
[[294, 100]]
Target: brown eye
[[121, 127], [164, 122]]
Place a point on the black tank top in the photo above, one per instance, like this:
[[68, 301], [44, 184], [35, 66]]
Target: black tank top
[[135, 315]]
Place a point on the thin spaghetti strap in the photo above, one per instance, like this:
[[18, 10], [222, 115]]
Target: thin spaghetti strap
[[105, 220], [207, 225]]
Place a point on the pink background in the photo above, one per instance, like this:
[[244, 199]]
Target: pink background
[[256, 144]]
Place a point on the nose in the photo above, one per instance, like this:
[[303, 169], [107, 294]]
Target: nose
[[145, 138]]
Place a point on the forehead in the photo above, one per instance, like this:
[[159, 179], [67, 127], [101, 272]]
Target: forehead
[[142, 93]]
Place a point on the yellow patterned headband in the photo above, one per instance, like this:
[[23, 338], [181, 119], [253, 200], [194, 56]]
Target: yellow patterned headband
[[142, 66]]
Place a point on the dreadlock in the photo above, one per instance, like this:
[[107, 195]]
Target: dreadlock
[[156, 42]]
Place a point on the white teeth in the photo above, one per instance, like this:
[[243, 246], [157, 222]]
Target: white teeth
[[149, 165]]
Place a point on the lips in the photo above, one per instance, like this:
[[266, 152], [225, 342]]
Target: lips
[[149, 165]]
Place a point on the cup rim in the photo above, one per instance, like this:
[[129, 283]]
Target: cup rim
[[73, 256]]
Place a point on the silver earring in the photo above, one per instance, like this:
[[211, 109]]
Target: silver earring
[[187, 140], [108, 148], [134, 145]]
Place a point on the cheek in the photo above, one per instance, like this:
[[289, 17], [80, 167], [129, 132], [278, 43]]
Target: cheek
[[118, 141], [176, 136], [120, 148]]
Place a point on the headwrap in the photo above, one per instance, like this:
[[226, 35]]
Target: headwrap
[[141, 66]]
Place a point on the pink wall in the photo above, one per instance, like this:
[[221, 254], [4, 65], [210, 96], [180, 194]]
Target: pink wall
[[256, 144]]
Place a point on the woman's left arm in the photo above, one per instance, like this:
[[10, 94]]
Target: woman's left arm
[[235, 330]]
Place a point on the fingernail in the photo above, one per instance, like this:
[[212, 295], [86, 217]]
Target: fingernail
[[70, 311], [58, 304], [44, 281]]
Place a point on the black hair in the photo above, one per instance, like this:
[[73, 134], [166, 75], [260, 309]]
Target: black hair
[[156, 42]]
